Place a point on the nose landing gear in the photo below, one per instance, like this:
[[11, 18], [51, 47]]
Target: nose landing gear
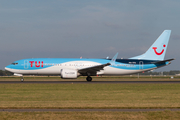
[[22, 79]]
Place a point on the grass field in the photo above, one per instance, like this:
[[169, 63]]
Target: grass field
[[165, 115], [92, 96], [89, 95]]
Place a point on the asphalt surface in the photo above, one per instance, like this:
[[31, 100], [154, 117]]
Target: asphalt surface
[[82, 110], [85, 82]]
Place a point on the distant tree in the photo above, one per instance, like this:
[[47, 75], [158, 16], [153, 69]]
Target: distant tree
[[5, 73], [172, 72], [1, 73]]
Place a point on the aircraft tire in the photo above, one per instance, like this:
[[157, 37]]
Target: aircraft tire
[[22, 79], [89, 79]]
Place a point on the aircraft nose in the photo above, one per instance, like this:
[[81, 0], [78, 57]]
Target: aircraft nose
[[6, 68]]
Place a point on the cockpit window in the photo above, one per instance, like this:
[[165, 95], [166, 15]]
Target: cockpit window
[[14, 63]]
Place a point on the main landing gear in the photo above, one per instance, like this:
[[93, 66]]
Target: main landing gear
[[89, 79]]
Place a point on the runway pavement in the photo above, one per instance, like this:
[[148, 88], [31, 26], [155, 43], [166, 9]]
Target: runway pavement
[[85, 82], [83, 110]]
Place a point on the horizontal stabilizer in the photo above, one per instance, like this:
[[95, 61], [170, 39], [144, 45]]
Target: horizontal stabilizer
[[159, 62]]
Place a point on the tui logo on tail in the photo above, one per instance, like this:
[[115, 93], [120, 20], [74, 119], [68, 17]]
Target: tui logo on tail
[[157, 52]]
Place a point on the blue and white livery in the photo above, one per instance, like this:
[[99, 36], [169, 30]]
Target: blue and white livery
[[70, 68]]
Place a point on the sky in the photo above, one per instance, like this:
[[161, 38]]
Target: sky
[[87, 28]]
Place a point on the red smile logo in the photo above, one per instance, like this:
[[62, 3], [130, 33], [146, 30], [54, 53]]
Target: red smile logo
[[157, 52]]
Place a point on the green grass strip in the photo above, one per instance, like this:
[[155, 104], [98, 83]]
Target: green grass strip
[[89, 96]]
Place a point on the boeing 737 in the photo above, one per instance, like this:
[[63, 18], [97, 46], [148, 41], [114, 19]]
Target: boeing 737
[[69, 68]]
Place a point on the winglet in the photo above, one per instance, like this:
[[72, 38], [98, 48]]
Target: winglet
[[112, 62]]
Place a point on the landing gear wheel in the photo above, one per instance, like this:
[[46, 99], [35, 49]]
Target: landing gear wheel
[[22, 79], [89, 79]]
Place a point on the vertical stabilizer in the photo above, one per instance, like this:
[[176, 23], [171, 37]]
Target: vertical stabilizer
[[158, 50]]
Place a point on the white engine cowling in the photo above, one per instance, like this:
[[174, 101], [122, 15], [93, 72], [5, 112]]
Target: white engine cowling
[[68, 73]]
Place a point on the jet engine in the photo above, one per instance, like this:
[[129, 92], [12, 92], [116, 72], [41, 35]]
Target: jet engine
[[68, 73]]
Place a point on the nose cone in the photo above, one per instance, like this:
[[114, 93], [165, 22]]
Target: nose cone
[[11, 68], [7, 68]]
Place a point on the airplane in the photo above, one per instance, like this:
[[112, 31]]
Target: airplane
[[71, 68]]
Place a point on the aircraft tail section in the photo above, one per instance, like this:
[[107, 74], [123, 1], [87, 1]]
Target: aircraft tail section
[[158, 49]]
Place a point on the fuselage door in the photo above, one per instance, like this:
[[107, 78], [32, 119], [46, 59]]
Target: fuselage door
[[26, 64], [140, 65]]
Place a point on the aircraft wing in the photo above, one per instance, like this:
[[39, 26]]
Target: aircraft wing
[[94, 69]]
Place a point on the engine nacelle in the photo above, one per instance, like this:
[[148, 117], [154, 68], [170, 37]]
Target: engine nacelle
[[68, 73]]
